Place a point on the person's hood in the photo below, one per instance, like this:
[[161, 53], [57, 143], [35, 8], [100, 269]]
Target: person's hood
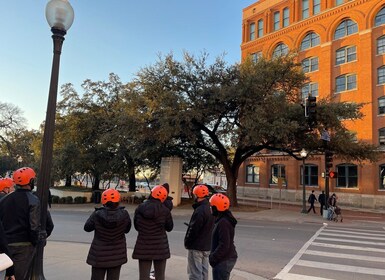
[[229, 216], [110, 218], [151, 208]]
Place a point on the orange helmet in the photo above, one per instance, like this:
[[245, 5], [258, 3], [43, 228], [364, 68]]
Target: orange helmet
[[220, 201], [201, 191], [159, 192], [6, 183], [23, 176], [110, 195]]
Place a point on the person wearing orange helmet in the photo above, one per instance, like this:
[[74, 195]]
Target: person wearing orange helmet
[[22, 227], [223, 255], [198, 235], [108, 250], [152, 219], [6, 186]]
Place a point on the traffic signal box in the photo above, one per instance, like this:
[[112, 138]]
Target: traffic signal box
[[311, 110], [329, 164]]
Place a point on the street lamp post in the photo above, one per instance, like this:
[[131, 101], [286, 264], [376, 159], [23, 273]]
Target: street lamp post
[[303, 154], [60, 16]]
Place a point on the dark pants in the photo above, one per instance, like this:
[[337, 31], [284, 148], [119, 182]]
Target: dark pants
[[22, 257], [222, 270], [98, 273], [322, 209], [145, 269], [311, 207]]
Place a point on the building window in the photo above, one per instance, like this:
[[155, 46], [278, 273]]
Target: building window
[[280, 50], [381, 136], [381, 75], [380, 17], [286, 15], [252, 174], [309, 89], [347, 176], [311, 175], [346, 54], [346, 82], [276, 21], [305, 9], [381, 45], [256, 56], [346, 28], [382, 177], [311, 40], [252, 31], [339, 2], [277, 171], [316, 7], [310, 64], [381, 105], [260, 28]]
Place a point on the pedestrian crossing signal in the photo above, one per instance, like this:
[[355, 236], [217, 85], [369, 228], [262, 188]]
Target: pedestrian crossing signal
[[333, 174]]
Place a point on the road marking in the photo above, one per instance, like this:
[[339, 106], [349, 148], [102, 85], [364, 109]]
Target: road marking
[[352, 236], [347, 247], [351, 241], [293, 276], [358, 230], [344, 256], [284, 272], [341, 267], [354, 232]]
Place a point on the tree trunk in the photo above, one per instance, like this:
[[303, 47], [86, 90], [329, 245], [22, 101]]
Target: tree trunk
[[131, 180], [96, 183], [232, 188], [68, 181]]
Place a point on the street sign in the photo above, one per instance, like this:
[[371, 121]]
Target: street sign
[[333, 174]]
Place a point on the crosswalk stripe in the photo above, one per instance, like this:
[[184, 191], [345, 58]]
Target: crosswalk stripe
[[344, 256], [293, 276], [355, 232], [347, 247], [352, 236], [358, 230], [351, 241], [341, 267]]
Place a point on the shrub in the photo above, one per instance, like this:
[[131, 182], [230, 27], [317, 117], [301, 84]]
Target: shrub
[[78, 200], [62, 200], [55, 199], [69, 200], [84, 199]]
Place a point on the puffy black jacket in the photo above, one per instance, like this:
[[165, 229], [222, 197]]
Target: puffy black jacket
[[20, 215], [223, 247], [152, 219], [108, 248], [200, 227]]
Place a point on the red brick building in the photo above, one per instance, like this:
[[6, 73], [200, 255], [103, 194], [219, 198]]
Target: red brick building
[[341, 45]]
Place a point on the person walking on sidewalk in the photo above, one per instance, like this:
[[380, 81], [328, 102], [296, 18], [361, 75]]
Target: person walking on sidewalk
[[322, 200], [198, 236], [108, 251], [311, 200], [223, 255], [152, 219]]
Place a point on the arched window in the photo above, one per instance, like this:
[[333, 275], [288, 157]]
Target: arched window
[[311, 40], [277, 171], [311, 175], [381, 45], [347, 176], [346, 28], [252, 174], [382, 177], [380, 17], [280, 50]]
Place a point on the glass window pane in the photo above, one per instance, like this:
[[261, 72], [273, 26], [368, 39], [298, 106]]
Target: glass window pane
[[305, 9], [381, 45], [351, 54], [314, 64], [260, 28], [381, 105], [252, 31], [340, 56], [286, 17], [276, 20], [305, 65], [316, 7], [381, 75], [340, 84], [380, 17], [351, 82]]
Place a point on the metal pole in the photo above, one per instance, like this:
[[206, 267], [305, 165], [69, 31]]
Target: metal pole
[[44, 178], [304, 210]]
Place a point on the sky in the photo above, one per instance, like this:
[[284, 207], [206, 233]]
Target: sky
[[107, 36]]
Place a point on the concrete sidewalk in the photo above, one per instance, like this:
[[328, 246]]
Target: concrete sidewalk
[[66, 260]]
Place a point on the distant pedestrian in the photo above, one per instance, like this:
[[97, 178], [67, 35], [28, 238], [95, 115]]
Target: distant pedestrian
[[198, 236], [6, 186], [223, 255], [333, 200], [322, 200], [108, 251], [20, 215], [311, 200], [152, 220]]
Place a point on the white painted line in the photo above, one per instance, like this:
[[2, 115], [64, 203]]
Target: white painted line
[[352, 236], [292, 276], [347, 247], [344, 268], [344, 256], [282, 274], [352, 241], [356, 229], [354, 232]]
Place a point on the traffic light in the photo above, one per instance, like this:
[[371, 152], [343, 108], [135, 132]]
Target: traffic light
[[311, 110], [328, 160], [333, 174]]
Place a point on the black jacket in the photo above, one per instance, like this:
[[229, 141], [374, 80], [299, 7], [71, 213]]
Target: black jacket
[[20, 215], [200, 227], [4, 249], [223, 247], [152, 219], [108, 248]]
